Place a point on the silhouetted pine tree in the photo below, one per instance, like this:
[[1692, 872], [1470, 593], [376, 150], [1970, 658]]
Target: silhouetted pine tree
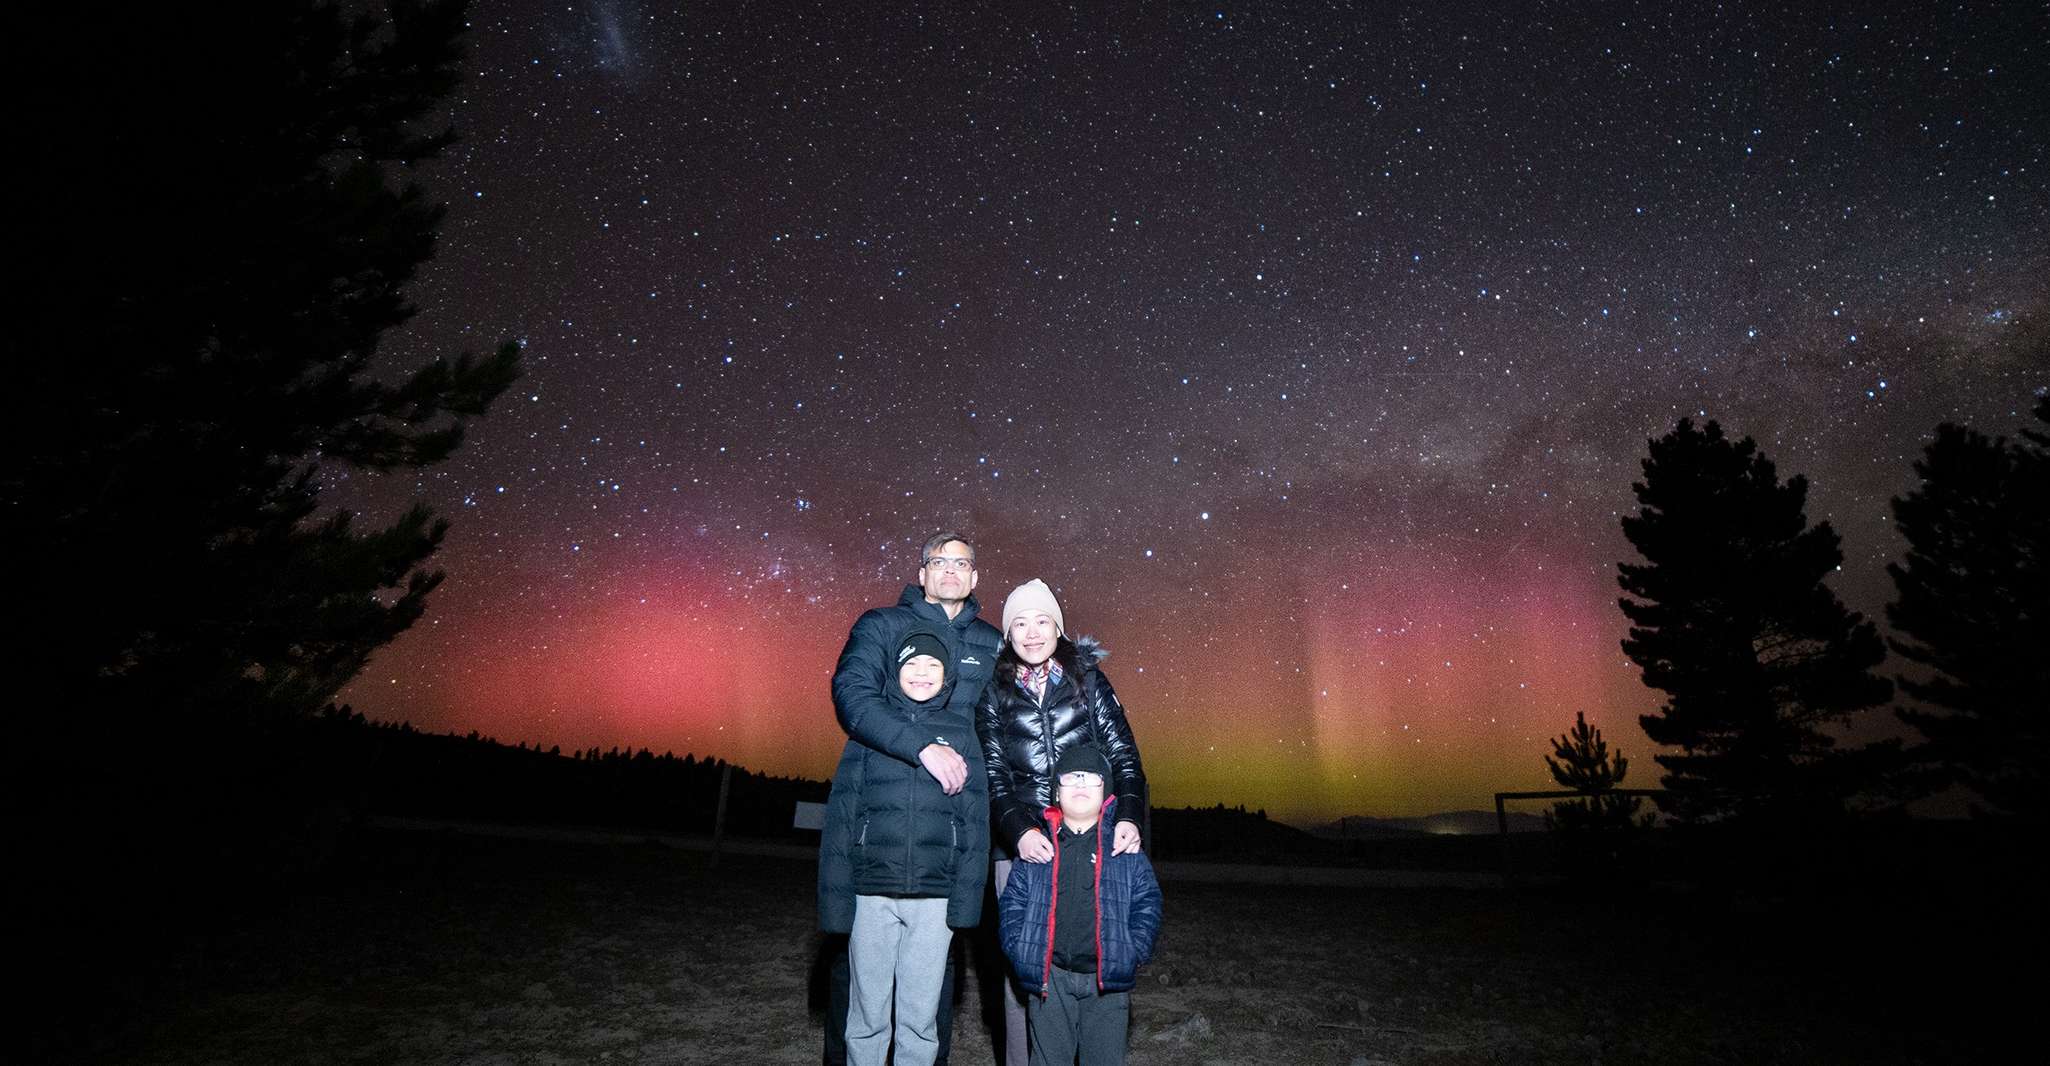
[[1581, 761], [1974, 608], [1732, 621], [248, 220], [1595, 832], [223, 221]]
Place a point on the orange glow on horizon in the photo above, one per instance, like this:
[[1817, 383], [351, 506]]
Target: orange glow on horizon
[[1415, 694]]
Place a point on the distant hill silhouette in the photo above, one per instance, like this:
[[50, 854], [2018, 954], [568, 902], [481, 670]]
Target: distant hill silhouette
[[1451, 841], [1444, 823], [1231, 834]]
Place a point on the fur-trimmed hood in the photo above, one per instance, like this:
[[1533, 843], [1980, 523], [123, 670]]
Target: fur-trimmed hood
[[1073, 655]]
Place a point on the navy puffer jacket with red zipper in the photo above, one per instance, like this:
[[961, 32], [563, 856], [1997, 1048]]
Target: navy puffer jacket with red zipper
[[1127, 912]]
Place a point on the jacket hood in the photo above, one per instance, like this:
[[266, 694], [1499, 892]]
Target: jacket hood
[[914, 598], [938, 701], [1053, 813], [1071, 654]]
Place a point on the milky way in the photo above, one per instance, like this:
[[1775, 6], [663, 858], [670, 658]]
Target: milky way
[[1309, 357]]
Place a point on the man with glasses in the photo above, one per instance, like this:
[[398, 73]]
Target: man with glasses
[[944, 600]]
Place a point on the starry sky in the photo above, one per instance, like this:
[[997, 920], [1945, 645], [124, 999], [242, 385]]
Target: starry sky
[[1308, 352]]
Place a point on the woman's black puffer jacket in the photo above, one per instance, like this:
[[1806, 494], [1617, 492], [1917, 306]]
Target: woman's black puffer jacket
[[1022, 739]]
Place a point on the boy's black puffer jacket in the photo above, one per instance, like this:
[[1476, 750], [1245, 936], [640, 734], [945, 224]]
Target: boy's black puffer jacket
[[908, 838]]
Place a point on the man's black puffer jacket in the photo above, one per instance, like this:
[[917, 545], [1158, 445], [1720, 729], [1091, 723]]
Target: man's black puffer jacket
[[1023, 738]]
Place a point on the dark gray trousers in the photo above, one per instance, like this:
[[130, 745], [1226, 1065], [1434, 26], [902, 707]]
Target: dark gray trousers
[[1074, 1018]]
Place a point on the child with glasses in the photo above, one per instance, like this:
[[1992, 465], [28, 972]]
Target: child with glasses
[[1077, 929]]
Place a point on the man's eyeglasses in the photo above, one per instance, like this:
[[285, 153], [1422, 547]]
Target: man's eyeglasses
[[950, 562]]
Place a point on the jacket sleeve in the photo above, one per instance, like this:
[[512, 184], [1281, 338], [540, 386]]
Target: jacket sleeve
[[1145, 917], [1013, 815], [1115, 734], [836, 863], [971, 864], [858, 694], [1014, 921]]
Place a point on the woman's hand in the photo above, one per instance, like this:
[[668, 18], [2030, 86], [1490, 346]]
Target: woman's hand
[[1034, 847], [1127, 838]]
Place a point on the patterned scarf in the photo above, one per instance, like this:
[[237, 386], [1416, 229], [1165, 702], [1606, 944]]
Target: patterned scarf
[[1034, 681]]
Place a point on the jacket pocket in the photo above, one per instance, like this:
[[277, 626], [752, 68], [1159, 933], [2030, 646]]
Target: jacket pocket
[[950, 862]]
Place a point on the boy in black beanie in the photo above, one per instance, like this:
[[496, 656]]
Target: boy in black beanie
[[1077, 929], [912, 855]]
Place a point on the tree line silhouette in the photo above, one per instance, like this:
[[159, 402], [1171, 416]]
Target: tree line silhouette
[[1732, 620], [395, 769]]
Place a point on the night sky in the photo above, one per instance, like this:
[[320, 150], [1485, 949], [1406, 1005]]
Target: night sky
[[1310, 357]]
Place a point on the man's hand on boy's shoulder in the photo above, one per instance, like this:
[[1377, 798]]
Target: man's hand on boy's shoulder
[[1125, 839], [946, 766]]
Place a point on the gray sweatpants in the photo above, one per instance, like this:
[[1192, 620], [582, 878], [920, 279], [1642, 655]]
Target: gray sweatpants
[[1076, 1018], [900, 944]]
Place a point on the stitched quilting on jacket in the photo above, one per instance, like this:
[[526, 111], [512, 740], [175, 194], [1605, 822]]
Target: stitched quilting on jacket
[[880, 761], [1022, 737], [1127, 913]]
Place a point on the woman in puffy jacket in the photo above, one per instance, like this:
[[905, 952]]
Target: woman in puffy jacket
[[1048, 694]]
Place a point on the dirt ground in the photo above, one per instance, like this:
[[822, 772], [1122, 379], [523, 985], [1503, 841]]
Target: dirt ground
[[438, 948]]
